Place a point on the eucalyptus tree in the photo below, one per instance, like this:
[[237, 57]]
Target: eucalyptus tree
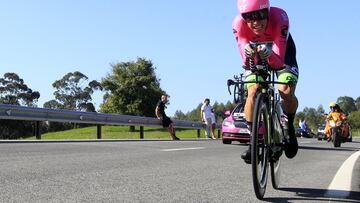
[[347, 104], [13, 90], [74, 92]]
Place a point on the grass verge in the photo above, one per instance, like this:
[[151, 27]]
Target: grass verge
[[356, 133], [118, 132]]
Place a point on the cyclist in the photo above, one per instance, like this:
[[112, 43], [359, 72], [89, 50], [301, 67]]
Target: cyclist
[[259, 22]]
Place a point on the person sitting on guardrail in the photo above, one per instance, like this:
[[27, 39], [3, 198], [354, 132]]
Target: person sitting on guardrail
[[165, 120]]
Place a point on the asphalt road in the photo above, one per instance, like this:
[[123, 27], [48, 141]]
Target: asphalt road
[[164, 171]]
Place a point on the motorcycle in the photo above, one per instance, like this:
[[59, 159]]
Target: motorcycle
[[336, 127]]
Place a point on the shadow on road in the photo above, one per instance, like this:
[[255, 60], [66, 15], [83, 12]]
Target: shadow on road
[[318, 195], [330, 148]]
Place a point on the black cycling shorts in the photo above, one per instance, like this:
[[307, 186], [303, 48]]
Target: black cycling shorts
[[166, 121]]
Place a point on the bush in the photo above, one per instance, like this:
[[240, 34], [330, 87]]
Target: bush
[[354, 119]]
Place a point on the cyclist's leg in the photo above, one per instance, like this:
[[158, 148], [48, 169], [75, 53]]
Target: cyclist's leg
[[290, 76], [289, 105], [250, 102], [289, 102], [251, 93], [249, 107]]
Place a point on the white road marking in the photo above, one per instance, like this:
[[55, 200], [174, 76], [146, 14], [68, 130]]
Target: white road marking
[[305, 142], [182, 149], [340, 186]]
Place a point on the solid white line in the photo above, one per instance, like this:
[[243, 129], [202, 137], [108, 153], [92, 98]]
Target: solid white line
[[181, 149], [305, 142], [341, 184]]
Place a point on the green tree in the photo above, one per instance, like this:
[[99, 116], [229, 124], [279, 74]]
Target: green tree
[[320, 110], [347, 104], [219, 111], [221, 108], [194, 115], [13, 90], [312, 116], [354, 119], [71, 94], [179, 115], [357, 103], [299, 117], [132, 88]]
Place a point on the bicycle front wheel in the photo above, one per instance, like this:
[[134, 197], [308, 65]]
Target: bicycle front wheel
[[260, 146]]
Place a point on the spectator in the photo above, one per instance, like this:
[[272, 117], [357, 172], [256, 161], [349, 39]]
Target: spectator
[[213, 124], [303, 125], [166, 121], [205, 116]]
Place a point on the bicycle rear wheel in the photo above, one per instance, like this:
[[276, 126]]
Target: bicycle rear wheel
[[275, 173], [277, 137], [260, 146]]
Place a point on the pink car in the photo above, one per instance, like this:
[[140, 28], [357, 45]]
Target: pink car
[[234, 127]]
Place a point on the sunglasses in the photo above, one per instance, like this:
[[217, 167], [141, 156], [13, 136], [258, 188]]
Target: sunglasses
[[256, 15]]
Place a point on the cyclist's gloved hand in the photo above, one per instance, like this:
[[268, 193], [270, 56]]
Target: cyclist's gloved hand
[[264, 51], [249, 52]]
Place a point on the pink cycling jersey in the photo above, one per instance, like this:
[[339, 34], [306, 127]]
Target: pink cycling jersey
[[276, 31]]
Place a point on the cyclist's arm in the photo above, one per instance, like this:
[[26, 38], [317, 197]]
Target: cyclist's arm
[[281, 33], [239, 36]]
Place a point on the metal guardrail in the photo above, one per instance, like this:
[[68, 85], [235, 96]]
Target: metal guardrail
[[14, 112]]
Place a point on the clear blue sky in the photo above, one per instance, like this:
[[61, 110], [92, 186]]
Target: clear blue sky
[[190, 43]]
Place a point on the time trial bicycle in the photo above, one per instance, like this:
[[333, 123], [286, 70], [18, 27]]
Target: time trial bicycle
[[267, 136]]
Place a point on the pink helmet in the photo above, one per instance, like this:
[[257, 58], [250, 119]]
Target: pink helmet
[[246, 6]]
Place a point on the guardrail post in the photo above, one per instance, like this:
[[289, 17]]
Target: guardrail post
[[99, 136], [37, 130], [141, 132], [198, 133], [132, 128]]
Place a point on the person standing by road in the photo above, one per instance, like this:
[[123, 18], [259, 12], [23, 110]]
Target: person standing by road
[[213, 124], [205, 116], [165, 120]]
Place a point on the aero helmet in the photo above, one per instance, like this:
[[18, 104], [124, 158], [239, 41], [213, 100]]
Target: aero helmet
[[246, 6]]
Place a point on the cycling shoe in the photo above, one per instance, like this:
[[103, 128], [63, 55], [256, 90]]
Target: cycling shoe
[[291, 145], [246, 156]]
